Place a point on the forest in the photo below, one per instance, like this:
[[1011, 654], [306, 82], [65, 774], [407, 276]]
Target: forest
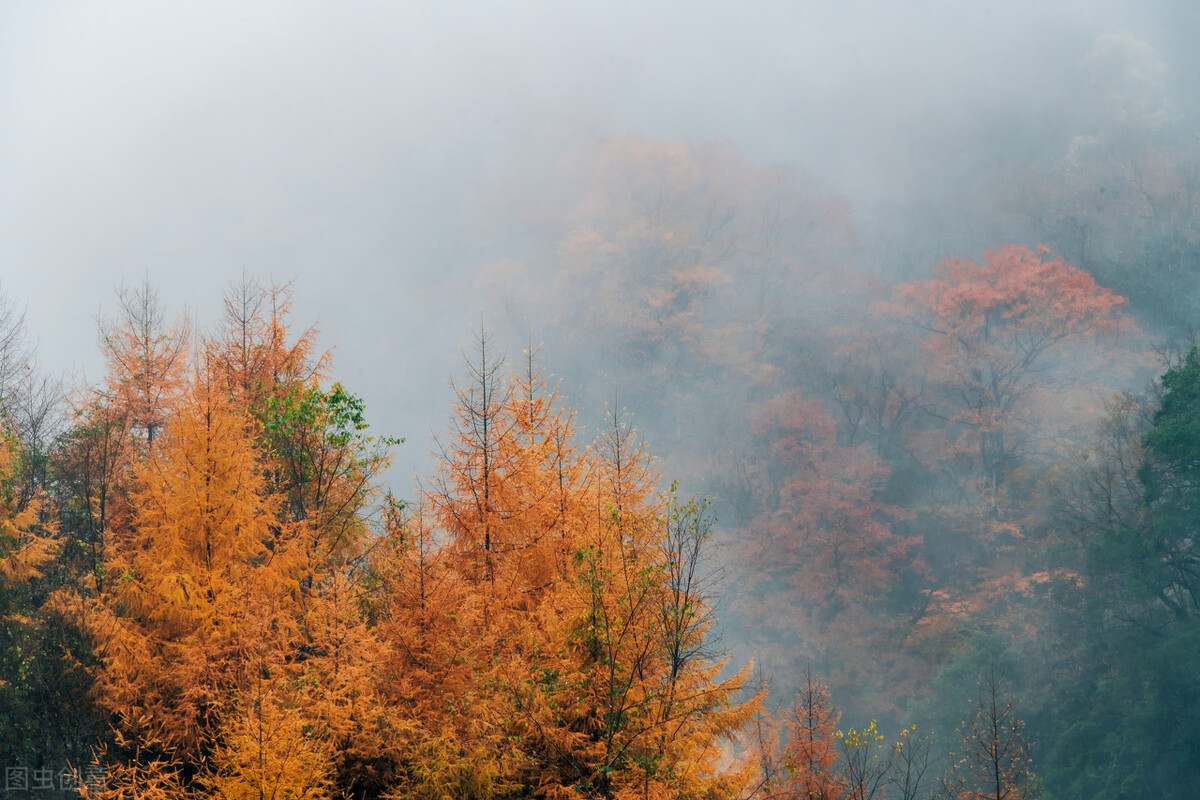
[[750, 484], [939, 552]]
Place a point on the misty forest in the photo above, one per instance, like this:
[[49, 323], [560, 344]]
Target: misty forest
[[790, 404]]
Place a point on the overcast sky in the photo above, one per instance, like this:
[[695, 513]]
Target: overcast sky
[[344, 145]]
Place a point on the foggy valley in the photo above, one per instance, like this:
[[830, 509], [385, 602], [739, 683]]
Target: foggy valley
[[761, 401]]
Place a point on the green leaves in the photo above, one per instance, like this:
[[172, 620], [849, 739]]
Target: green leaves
[[1173, 446]]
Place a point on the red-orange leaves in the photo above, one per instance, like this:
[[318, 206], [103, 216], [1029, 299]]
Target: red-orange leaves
[[993, 331], [822, 518], [811, 752], [822, 548]]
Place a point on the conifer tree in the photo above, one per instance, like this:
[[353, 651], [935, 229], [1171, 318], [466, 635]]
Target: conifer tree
[[994, 761], [201, 583], [811, 752]]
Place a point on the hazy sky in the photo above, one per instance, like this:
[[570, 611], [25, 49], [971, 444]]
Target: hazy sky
[[344, 145]]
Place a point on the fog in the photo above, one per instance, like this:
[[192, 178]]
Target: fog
[[348, 148], [724, 218]]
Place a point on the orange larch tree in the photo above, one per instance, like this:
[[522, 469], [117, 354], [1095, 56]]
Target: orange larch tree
[[256, 355], [811, 753], [118, 422], [26, 534], [434, 668], [201, 584], [574, 612], [466, 496], [655, 710], [146, 362], [510, 498]]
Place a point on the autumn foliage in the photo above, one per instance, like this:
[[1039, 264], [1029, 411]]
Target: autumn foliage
[[580, 629], [205, 582], [994, 333], [538, 621]]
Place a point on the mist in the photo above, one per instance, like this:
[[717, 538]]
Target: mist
[[347, 149], [708, 217]]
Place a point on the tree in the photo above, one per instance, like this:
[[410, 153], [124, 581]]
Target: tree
[[822, 554], [29, 405], [328, 701], [435, 668], [202, 581], [820, 760], [865, 773], [146, 362], [910, 762], [1169, 475], [655, 706], [116, 424], [321, 455], [1140, 549], [27, 549], [146, 775], [575, 603], [256, 356], [812, 746], [16, 354], [878, 387], [995, 755], [91, 463], [26, 533], [993, 332], [266, 752], [1124, 724]]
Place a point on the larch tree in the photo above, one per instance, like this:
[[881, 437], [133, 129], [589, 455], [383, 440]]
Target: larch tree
[[447, 738], [466, 495], [811, 752], [117, 423], [266, 751], [512, 499], [321, 456], [146, 362], [579, 615], [656, 711], [202, 582], [471, 615], [26, 532], [994, 763]]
